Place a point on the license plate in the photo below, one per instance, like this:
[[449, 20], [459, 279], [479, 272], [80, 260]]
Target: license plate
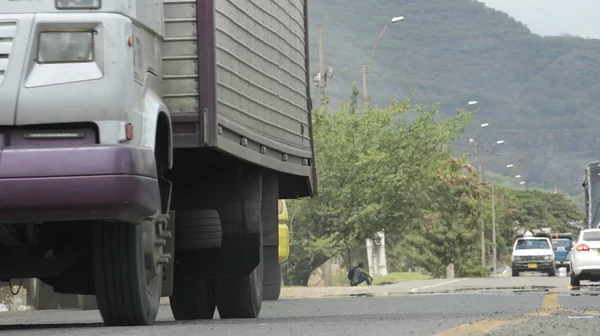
[[531, 265]]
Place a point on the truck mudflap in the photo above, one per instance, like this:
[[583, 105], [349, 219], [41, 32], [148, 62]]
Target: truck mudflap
[[99, 182]]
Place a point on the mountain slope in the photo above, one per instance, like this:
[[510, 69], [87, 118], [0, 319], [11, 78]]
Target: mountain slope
[[537, 93]]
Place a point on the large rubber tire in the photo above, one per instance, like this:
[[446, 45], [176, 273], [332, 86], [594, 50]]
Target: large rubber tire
[[552, 272], [515, 273], [197, 229], [240, 297], [124, 296], [272, 273], [575, 282], [192, 299], [68, 301], [272, 292]]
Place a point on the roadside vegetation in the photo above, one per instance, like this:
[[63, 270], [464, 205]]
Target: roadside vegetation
[[394, 169]]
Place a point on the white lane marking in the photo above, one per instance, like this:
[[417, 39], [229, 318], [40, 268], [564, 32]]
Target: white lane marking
[[435, 285]]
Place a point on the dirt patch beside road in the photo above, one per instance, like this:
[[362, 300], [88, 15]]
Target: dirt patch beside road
[[319, 292]]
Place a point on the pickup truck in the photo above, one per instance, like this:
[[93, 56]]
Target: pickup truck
[[144, 146], [533, 254]]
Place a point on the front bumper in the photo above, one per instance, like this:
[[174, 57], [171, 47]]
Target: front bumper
[[101, 182], [527, 265]]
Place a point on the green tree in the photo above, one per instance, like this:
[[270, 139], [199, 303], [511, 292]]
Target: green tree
[[545, 209], [450, 224], [374, 166]]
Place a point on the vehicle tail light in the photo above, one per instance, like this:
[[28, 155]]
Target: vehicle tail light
[[582, 247]]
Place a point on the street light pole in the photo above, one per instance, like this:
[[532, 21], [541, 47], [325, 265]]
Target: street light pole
[[365, 66], [494, 253], [321, 67], [475, 142]]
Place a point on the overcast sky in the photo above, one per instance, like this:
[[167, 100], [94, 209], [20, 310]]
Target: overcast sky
[[554, 17]]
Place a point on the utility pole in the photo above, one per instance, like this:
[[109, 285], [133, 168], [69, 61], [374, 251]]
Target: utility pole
[[364, 67], [480, 170], [479, 157], [364, 70], [322, 77], [494, 260]]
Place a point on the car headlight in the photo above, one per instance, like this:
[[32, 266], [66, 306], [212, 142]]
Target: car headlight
[[516, 258], [78, 4], [66, 46], [548, 257]]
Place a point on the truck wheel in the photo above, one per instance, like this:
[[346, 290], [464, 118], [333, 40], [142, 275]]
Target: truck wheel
[[68, 301], [240, 297], [272, 292], [192, 299], [552, 272], [272, 273], [197, 229], [515, 273], [128, 271], [574, 280]]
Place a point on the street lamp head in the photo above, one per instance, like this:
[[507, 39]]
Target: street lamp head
[[517, 176], [397, 19], [510, 165], [485, 125], [471, 140], [522, 182], [500, 142], [472, 102]]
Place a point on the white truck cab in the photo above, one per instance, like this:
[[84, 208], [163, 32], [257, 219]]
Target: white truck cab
[[533, 254]]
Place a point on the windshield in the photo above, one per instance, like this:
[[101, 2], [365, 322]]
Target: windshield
[[561, 242], [591, 236], [530, 244]]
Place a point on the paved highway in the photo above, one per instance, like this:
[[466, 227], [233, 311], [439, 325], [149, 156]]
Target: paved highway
[[493, 306]]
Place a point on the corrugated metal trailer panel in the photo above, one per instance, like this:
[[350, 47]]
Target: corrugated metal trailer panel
[[592, 193], [236, 78]]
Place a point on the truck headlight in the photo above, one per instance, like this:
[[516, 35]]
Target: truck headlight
[[66, 46], [548, 257], [516, 258], [78, 4]]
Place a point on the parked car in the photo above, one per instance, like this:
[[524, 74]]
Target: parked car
[[585, 257]]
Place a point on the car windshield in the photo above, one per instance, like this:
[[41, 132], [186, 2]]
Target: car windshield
[[561, 242], [529, 244], [591, 236]]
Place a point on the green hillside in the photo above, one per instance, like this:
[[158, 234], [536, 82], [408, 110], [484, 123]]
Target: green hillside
[[539, 94]]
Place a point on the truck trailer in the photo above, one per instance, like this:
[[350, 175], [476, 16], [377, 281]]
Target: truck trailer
[[144, 146], [591, 188]]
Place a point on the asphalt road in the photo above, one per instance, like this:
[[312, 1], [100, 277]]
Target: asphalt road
[[493, 306]]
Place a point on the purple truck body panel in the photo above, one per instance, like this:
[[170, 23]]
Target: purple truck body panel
[[107, 183]]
